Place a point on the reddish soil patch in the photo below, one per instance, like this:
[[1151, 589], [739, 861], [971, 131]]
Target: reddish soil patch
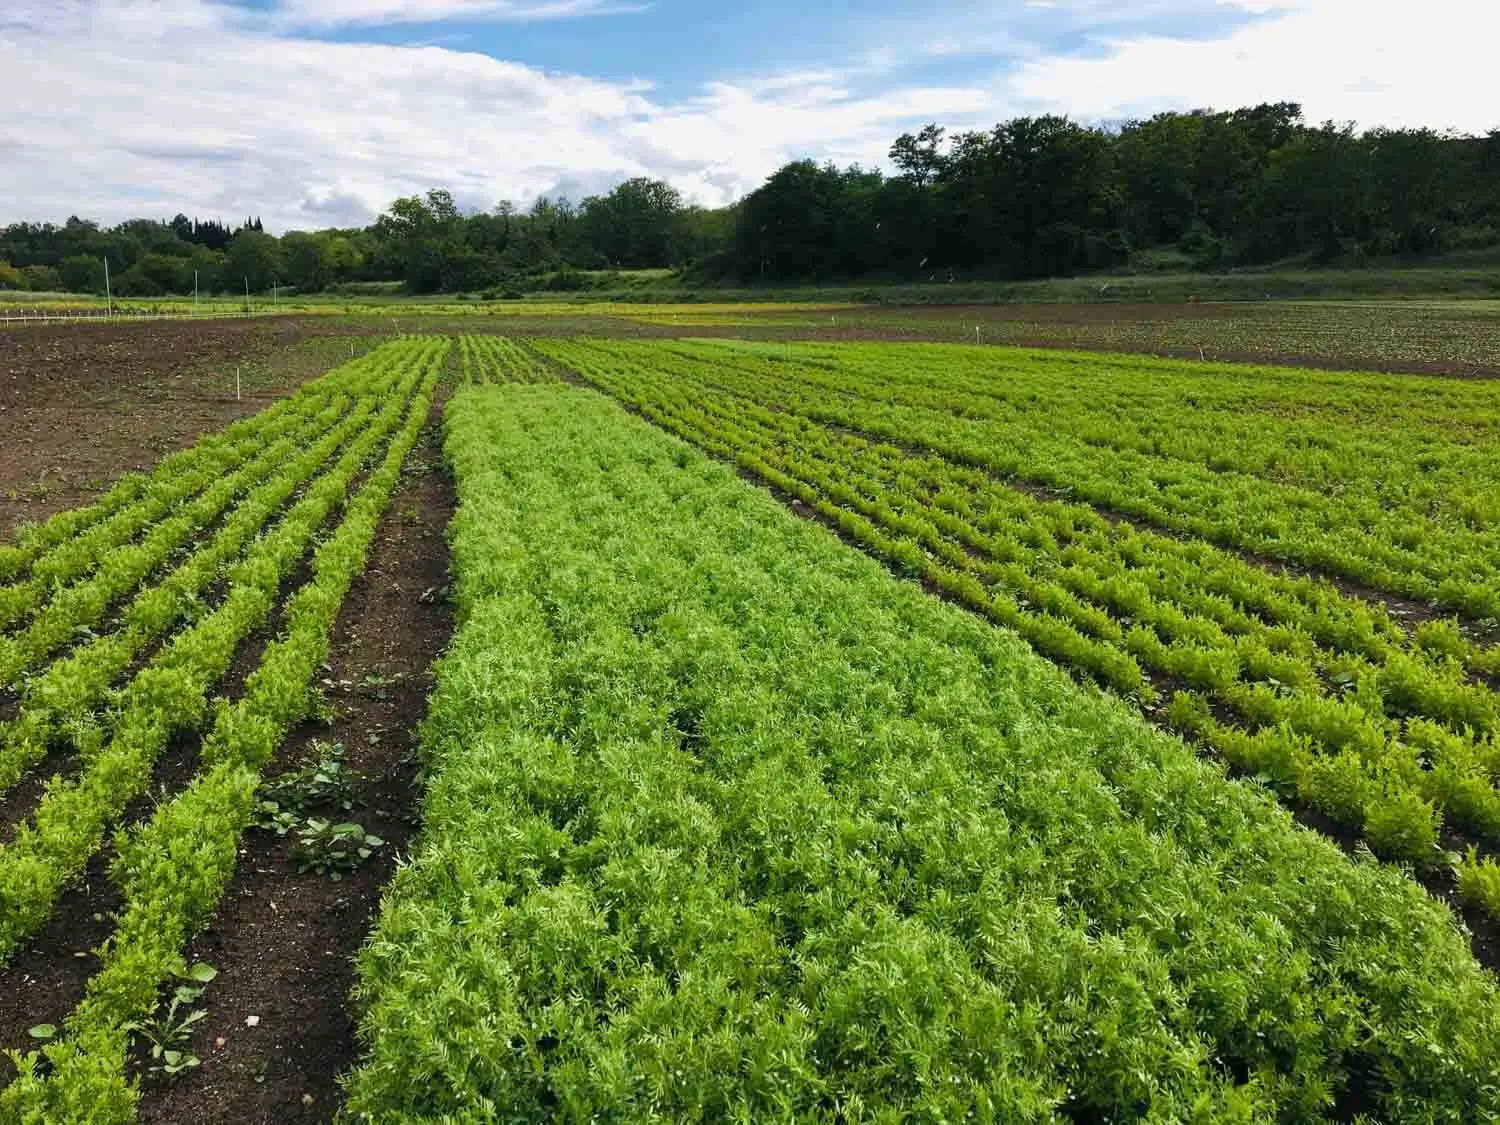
[[935, 323], [1064, 312], [80, 405], [284, 941]]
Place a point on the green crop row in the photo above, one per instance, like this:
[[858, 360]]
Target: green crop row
[[724, 823], [63, 699], [1403, 509], [34, 542], [1291, 428], [78, 608], [1236, 596], [499, 359], [173, 869], [70, 546], [170, 694], [1329, 697]]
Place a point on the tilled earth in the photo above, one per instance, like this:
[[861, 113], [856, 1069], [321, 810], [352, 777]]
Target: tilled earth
[[80, 405]]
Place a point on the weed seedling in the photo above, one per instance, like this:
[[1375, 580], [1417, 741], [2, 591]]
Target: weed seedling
[[168, 1029], [332, 849], [327, 782]]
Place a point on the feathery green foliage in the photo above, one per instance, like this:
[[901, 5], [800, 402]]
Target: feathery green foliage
[[726, 823], [1387, 729]]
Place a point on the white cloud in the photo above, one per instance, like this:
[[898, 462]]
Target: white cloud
[[1375, 62], [336, 13], [122, 108], [761, 125], [119, 114]]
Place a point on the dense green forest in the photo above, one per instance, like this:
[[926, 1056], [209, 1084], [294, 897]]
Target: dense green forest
[[1032, 197]]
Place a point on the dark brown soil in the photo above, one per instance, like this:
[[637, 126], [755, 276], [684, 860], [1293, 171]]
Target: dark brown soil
[[283, 941], [43, 981], [80, 405], [20, 801]]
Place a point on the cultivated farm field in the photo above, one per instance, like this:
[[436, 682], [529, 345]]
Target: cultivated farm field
[[1410, 335], [830, 729]]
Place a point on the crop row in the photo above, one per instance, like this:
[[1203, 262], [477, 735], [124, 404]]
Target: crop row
[[724, 823], [164, 511], [500, 359], [1383, 484], [1286, 677], [1345, 623], [1293, 428], [69, 610], [172, 870], [71, 543], [64, 699], [170, 694]]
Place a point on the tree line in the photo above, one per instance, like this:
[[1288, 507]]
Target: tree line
[[1032, 197], [1045, 196]]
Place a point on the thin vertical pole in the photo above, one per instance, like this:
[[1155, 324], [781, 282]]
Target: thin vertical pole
[[108, 299]]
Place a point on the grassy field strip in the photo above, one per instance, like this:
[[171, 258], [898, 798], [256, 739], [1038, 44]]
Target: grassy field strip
[[171, 694], [173, 869], [79, 552], [725, 823], [65, 696], [1332, 700], [35, 541], [1405, 522], [499, 359]]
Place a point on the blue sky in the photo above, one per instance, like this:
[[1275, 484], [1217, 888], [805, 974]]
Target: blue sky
[[319, 112], [678, 45]]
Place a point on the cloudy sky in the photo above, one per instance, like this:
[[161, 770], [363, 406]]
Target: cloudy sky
[[314, 113]]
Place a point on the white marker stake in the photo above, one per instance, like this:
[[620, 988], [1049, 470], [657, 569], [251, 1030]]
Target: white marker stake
[[237, 383], [108, 300]]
